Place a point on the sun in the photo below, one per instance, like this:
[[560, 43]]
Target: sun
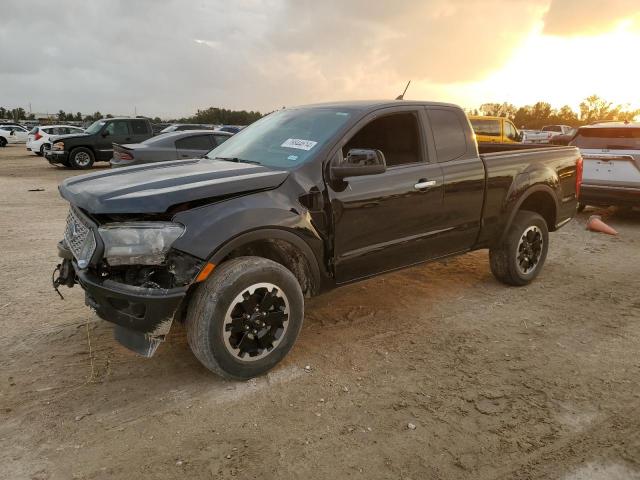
[[564, 70]]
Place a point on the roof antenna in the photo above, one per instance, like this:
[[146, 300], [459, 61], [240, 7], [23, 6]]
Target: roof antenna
[[401, 96]]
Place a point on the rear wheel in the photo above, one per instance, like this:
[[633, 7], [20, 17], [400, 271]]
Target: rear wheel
[[3, 142], [518, 259], [245, 318], [81, 158], [42, 150]]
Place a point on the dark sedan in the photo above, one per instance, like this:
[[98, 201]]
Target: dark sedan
[[168, 146]]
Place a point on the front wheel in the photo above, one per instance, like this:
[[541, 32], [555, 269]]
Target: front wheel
[[81, 158], [3, 142], [245, 317], [518, 259]]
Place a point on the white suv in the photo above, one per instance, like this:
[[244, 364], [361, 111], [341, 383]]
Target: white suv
[[611, 156], [39, 137]]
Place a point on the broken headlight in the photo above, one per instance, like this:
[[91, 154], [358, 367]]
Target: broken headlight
[[138, 243]]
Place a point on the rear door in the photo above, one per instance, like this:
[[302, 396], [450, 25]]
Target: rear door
[[195, 146], [116, 131], [464, 179], [140, 130], [390, 220]]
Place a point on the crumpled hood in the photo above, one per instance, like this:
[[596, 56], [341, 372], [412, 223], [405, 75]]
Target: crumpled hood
[[155, 187]]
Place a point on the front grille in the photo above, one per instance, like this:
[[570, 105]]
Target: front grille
[[79, 238]]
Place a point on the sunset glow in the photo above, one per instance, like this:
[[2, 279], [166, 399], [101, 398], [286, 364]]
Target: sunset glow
[[561, 71]]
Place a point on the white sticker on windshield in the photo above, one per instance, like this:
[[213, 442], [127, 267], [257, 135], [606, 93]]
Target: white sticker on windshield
[[292, 158], [299, 144]]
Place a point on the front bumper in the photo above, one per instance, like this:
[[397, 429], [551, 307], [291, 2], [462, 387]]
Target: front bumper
[[143, 316], [602, 195], [56, 156]]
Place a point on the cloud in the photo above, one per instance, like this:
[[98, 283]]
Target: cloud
[[171, 57], [583, 17]]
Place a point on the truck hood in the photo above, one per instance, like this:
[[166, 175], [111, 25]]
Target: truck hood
[[155, 187], [55, 138]]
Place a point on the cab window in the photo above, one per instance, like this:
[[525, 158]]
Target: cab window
[[397, 136], [197, 142], [490, 128], [448, 134], [119, 127]]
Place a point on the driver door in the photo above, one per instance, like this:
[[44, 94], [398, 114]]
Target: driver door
[[388, 220]]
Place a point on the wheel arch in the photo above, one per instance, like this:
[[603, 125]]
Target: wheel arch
[[281, 246], [540, 199]]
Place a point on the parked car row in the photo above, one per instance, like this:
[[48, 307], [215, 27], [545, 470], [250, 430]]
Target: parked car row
[[130, 141]]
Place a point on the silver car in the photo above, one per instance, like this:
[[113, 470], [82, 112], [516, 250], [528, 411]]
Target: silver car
[[611, 163], [168, 146]]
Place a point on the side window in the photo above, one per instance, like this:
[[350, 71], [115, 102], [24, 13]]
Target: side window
[[197, 142], [489, 128], [510, 131], [220, 139], [448, 134], [139, 127], [397, 136], [118, 127]]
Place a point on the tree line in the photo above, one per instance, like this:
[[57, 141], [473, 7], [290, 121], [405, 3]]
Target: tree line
[[211, 115], [215, 115], [592, 109]]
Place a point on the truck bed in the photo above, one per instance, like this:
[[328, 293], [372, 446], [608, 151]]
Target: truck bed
[[506, 172]]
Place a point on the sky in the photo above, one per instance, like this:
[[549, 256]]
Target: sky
[[168, 58]]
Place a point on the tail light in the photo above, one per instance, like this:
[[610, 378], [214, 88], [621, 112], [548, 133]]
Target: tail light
[[579, 169], [123, 156], [37, 136]]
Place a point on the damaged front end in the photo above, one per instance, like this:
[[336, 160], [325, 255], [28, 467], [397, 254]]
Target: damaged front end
[[129, 273]]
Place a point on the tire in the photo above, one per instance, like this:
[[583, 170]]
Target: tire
[[3, 142], [518, 260], [40, 152], [217, 317], [581, 207], [81, 158]]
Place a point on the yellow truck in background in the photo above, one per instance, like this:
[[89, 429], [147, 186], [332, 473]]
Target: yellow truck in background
[[495, 130]]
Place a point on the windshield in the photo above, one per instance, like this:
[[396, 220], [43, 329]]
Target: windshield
[[608, 138], [95, 127], [283, 139]]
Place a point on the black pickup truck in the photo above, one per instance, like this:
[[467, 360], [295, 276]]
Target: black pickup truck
[[300, 202], [81, 150]]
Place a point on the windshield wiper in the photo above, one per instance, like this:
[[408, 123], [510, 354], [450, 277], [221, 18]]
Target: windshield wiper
[[237, 160]]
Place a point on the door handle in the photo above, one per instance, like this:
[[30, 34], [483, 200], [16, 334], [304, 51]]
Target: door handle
[[422, 184]]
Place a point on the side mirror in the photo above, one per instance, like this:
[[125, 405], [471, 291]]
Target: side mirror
[[105, 134], [359, 162]]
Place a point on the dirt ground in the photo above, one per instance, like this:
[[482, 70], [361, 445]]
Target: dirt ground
[[435, 372]]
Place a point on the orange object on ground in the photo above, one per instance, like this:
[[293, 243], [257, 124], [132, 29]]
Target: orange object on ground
[[595, 224]]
